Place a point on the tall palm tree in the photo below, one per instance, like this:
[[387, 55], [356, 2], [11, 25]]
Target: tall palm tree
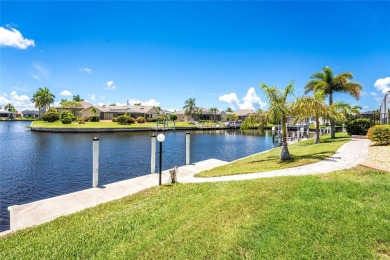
[[77, 98], [305, 107], [279, 109], [189, 106], [10, 108], [229, 110], [214, 111], [42, 99], [326, 82]]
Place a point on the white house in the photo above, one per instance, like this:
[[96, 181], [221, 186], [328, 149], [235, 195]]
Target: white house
[[385, 109]]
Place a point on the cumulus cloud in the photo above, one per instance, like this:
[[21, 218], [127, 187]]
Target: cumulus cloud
[[250, 101], [150, 102], [13, 38], [383, 85], [86, 70], [66, 93], [109, 85], [20, 102]]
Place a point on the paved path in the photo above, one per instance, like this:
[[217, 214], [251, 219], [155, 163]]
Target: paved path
[[347, 156], [38, 212]]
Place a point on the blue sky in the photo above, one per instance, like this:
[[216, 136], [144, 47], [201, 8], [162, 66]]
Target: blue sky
[[165, 52]]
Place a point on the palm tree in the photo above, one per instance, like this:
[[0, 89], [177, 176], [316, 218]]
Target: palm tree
[[229, 110], [326, 82], [42, 99], [259, 119], [214, 111], [10, 108], [189, 106], [279, 109], [94, 110], [314, 106], [347, 110], [77, 98]]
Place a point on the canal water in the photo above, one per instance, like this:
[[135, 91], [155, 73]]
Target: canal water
[[36, 165]]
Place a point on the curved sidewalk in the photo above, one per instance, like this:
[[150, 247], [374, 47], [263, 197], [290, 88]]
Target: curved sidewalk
[[347, 156]]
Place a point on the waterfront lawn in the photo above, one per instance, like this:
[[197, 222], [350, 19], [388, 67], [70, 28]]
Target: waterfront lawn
[[304, 152], [147, 125], [342, 215]]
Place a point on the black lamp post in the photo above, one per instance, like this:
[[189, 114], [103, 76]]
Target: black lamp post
[[160, 139]]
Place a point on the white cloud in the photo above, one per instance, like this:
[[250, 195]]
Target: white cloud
[[366, 107], [373, 94], [66, 93], [93, 97], [110, 85], [21, 102], [250, 101], [86, 70], [150, 102], [382, 85], [40, 73], [13, 38]]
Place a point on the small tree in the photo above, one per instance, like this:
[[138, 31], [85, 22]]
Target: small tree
[[10, 108]]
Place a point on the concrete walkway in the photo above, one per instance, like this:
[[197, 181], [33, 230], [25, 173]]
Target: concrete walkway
[[38, 212], [347, 156]]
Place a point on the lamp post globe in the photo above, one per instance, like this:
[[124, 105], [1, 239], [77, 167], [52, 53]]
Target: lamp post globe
[[161, 138]]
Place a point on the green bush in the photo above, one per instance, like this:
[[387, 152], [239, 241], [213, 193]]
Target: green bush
[[132, 120], [114, 119], [151, 120], [66, 120], [51, 116], [380, 134], [173, 117], [358, 126], [124, 120], [94, 119], [140, 120], [68, 114]]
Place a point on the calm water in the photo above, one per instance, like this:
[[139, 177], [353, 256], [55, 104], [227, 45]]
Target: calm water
[[36, 165]]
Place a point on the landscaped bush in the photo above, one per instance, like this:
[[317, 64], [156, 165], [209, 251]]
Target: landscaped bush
[[66, 120], [141, 120], [380, 134], [358, 126], [173, 117], [86, 119], [151, 120], [51, 116], [94, 119], [132, 120], [114, 119], [125, 120], [68, 114]]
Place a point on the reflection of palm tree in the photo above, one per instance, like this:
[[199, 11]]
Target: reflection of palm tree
[[326, 82], [42, 99], [278, 109], [189, 106]]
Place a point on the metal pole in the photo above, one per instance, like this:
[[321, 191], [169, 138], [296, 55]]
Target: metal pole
[[95, 175], [153, 155], [187, 148], [160, 162]]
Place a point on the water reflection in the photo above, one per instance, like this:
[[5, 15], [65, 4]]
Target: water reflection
[[36, 165]]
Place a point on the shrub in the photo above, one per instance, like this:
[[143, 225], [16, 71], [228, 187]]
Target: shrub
[[380, 134], [51, 116], [66, 120], [358, 126], [68, 114], [132, 120], [113, 119], [123, 120], [86, 118], [94, 119], [140, 120], [151, 120], [173, 117]]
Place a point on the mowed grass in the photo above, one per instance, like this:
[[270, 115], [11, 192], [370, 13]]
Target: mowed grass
[[151, 125], [304, 152], [342, 215]]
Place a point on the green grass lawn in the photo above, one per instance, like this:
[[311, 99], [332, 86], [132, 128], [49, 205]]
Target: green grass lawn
[[303, 153], [58, 124], [342, 215]]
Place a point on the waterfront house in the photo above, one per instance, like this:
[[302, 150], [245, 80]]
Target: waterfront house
[[385, 109], [77, 109], [109, 112], [200, 114], [243, 113], [30, 114]]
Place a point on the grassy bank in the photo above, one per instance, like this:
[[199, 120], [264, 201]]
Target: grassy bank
[[303, 153], [150, 125], [343, 215]]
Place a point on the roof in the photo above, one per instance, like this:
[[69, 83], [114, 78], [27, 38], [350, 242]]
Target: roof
[[244, 112]]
